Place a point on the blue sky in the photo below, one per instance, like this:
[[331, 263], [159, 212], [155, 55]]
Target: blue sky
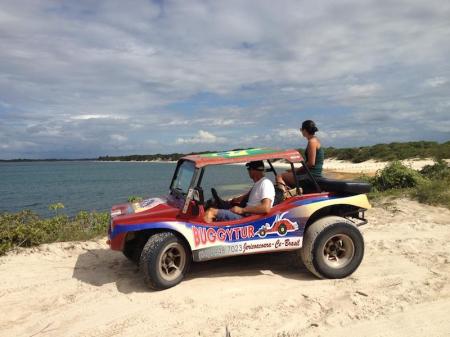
[[89, 78]]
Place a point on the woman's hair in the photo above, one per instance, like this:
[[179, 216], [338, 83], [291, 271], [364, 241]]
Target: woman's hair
[[310, 127]]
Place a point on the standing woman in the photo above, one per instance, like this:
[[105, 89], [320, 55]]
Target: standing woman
[[313, 157]]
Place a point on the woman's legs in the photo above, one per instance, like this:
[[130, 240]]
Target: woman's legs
[[286, 179]]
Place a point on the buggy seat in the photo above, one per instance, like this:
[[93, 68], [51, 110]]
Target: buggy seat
[[343, 186]]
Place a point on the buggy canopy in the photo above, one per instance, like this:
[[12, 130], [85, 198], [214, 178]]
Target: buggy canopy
[[243, 156]]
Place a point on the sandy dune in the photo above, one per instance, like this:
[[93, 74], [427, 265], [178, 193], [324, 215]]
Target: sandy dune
[[369, 167], [83, 289]]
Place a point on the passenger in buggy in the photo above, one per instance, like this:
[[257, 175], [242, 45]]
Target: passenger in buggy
[[314, 157]]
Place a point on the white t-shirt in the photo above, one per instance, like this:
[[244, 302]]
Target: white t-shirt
[[262, 189]]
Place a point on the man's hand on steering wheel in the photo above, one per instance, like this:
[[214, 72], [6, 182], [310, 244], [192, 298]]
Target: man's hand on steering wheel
[[237, 210]]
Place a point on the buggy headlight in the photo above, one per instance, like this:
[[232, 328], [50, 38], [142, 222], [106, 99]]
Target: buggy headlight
[[116, 212]]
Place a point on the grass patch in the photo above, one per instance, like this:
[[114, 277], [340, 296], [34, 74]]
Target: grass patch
[[430, 186], [434, 192], [27, 229]]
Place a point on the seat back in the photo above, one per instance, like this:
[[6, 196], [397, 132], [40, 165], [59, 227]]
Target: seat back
[[279, 196]]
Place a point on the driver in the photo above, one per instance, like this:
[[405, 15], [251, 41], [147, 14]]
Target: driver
[[260, 199]]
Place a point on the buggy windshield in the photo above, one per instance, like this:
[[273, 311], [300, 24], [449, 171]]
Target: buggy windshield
[[183, 177]]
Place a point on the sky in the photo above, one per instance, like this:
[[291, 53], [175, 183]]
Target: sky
[[81, 79]]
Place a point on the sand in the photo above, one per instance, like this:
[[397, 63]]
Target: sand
[[83, 289], [369, 167]]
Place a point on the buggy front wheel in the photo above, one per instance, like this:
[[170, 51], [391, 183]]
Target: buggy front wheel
[[164, 260]]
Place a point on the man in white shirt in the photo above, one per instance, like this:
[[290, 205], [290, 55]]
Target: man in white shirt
[[260, 199]]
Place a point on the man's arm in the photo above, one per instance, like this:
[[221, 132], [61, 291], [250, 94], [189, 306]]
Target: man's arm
[[263, 208]]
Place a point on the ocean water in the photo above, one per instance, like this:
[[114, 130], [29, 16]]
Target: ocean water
[[99, 185]]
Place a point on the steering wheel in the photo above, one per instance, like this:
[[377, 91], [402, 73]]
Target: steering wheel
[[218, 200]]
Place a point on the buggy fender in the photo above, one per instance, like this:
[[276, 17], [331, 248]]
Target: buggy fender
[[304, 211], [119, 231]]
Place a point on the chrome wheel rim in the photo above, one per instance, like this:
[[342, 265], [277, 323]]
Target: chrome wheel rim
[[338, 251], [172, 261]]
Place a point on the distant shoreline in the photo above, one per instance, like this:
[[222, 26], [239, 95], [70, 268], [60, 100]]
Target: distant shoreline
[[332, 166], [85, 160], [377, 153]]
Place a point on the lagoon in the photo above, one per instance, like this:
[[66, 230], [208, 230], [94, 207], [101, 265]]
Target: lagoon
[[96, 185]]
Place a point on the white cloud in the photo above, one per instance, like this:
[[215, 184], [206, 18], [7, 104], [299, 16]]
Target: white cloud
[[290, 133], [202, 137], [436, 81], [363, 90], [96, 116], [118, 138], [83, 71], [442, 126], [209, 122]]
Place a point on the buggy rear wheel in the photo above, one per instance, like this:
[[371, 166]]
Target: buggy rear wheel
[[333, 247], [164, 261]]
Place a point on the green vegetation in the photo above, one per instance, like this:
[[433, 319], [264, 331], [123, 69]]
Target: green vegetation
[[27, 229], [150, 157], [431, 185], [380, 152], [134, 198], [396, 176], [435, 190], [392, 151]]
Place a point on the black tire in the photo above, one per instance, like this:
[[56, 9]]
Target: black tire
[[282, 229], [333, 247], [262, 233], [130, 253], [133, 248], [151, 261]]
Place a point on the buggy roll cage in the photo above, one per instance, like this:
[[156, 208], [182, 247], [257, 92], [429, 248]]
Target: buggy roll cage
[[195, 185]]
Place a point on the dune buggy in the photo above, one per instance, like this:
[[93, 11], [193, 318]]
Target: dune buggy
[[164, 234]]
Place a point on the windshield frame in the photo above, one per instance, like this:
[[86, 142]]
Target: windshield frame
[[178, 192]]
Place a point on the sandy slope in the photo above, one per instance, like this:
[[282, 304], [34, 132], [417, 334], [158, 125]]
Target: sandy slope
[[369, 167], [83, 289]]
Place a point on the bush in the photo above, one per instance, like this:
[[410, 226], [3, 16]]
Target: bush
[[430, 186], [434, 192], [395, 176], [439, 170], [26, 229], [134, 198]]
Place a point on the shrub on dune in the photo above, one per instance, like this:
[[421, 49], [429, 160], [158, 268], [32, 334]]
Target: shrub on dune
[[396, 176]]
